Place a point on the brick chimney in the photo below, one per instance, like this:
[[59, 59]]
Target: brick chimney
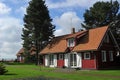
[[72, 30]]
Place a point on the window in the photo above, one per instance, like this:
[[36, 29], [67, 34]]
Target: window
[[107, 39], [60, 56], [111, 55], [73, 60], [103, 56], [71, 42], [87, 55], [51, 59]]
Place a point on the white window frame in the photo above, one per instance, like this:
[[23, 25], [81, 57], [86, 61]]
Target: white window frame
[[104, 59], [85, 55], [51, 59], [71, 42], [111, 55], [60, 56], [73, 61]]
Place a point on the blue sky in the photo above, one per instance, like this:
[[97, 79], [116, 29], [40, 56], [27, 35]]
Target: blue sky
[[65, 14]]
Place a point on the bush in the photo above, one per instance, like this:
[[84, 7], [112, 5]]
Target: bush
[[2, 69]]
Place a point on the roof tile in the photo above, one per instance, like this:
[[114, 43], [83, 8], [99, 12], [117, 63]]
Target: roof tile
[[91, 41]]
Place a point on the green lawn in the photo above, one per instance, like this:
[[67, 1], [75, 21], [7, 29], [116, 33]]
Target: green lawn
[[29, 71]]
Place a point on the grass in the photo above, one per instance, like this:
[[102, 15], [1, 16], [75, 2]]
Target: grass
[[32, 71]]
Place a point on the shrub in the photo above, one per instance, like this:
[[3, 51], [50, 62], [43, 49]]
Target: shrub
[[2, 69]]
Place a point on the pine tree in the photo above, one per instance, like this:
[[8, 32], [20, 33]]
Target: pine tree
[[115, 28], [26, 44], [38, 29], [101, 14], [2, 69]]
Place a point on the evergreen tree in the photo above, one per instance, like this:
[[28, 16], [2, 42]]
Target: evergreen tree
[[26, 44], [115, 28], [2, 69], [101, 14], [38, 29]]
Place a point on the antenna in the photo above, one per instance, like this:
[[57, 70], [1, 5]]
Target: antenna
[[71, 26]]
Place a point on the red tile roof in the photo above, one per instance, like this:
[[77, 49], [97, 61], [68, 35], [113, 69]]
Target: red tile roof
[[59, 44], [21, 51], [91, 41], [32, 51]]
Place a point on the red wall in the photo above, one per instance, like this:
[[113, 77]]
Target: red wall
[[89, 63], [96, 57], [108, 64], [60, 63]]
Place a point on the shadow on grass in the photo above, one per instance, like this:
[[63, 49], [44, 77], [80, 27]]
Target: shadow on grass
[[17, 63], [39, 78], [10, 74]]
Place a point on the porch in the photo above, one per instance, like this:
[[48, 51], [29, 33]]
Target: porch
[[69, 60]]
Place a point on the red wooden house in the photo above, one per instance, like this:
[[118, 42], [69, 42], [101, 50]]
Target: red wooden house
[[21, 56], [90, 49]]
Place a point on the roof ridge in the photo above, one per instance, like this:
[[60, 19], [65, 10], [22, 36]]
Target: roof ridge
[[79, 32], [99, 27], [71, 34]]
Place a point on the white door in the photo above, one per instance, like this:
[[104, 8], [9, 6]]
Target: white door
[[75, 60], [79, 60], [51, 60], [55, 60], [46, 60], [66, 60]]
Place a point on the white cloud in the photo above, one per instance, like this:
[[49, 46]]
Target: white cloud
[[10, 37], [4, 9], [67, 21], [72, 3], [15, 1], [21, 10]]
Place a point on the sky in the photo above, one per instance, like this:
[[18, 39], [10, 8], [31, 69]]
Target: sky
[[66, 14]]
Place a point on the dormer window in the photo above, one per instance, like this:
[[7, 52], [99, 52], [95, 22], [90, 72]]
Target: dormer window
[[106, 39], [71, 42]]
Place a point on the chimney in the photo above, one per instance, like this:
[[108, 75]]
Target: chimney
[[72, 30]]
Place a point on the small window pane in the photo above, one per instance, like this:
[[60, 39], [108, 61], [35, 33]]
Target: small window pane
[[106, 39], [71, 42], [111, 55], [103, 56], [73, 60], [51, 59], [87, 55], [60, 56]]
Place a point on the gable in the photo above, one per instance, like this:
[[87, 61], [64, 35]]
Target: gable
[[92, 40], [109, 39]]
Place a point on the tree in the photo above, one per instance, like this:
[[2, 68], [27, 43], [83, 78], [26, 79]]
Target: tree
[[38, 29], [2, 69], [26, 44], [115, 27], [101, 14]]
